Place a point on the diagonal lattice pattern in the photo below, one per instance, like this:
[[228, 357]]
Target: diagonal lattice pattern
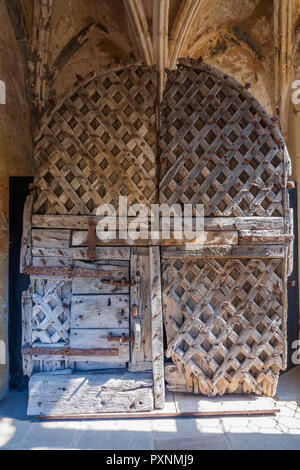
[[217, 149], [99, 144], [51, 311], [224, 323]]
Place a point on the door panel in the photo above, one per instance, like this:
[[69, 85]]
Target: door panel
[[225, 317], [100, 311], [98, 339], [223, 320], [115, 271], [224, 298]]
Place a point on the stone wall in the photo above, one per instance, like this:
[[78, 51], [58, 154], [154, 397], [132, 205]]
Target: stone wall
[[15, 155]]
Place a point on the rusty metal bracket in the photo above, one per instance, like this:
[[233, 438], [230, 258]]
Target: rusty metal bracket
[[92, 241], [68, 272], [134, 311], [35, 351], [123, 339]]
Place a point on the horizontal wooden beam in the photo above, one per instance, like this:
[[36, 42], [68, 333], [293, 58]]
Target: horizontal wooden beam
[[70, 352], [80, 238], [264, 236], [68, 272], [80, 222], [240, 251]]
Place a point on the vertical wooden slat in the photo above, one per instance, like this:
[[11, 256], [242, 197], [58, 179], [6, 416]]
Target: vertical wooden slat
[[25, 256], [157, 328], [27, 331], [141, 356]]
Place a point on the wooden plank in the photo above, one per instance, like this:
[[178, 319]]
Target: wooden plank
[[97, 338], [140, 296], [51, 238], [25, 255], [81, 365], [135, 323], [243, 223], [80, 238], [157, 328], [27, 331], [89, 393], [80, 222], [271, 237], [67, 352], [105, 253], [96, 286], [100, 311], [243, 251], [72, 222], [44, 261], [145, 304], [72, 361]]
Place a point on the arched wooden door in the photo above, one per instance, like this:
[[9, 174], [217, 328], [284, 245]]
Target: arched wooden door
[[225, 306], [92, 306]]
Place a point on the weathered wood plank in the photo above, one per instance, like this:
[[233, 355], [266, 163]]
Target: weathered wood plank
[[89, 393], [157, 328], [80, 222], [242, 251], [135, 323], [263, 237], [45, 261], [80, 254], [140, 297], [104, 253], [97, 286], [51, 238], [98, 338], [97, 366], [80, 238], [27, 331], [100, 311], [67, 352], [175, 380], [243, 223], [25, 255]]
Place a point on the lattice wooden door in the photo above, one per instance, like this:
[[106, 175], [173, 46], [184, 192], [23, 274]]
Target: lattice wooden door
[[97, 144], [225, 306], [224, 302]]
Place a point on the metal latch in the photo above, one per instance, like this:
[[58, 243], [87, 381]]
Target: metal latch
[[123, 339], [134, 311]]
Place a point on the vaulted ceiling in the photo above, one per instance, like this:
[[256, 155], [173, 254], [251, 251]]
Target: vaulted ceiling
[[251, 40]]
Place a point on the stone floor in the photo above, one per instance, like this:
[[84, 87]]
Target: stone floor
[[281, 431]]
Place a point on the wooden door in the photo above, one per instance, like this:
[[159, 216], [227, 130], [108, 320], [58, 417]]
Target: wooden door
[[224, 301], [97, 144], [225, 306]]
